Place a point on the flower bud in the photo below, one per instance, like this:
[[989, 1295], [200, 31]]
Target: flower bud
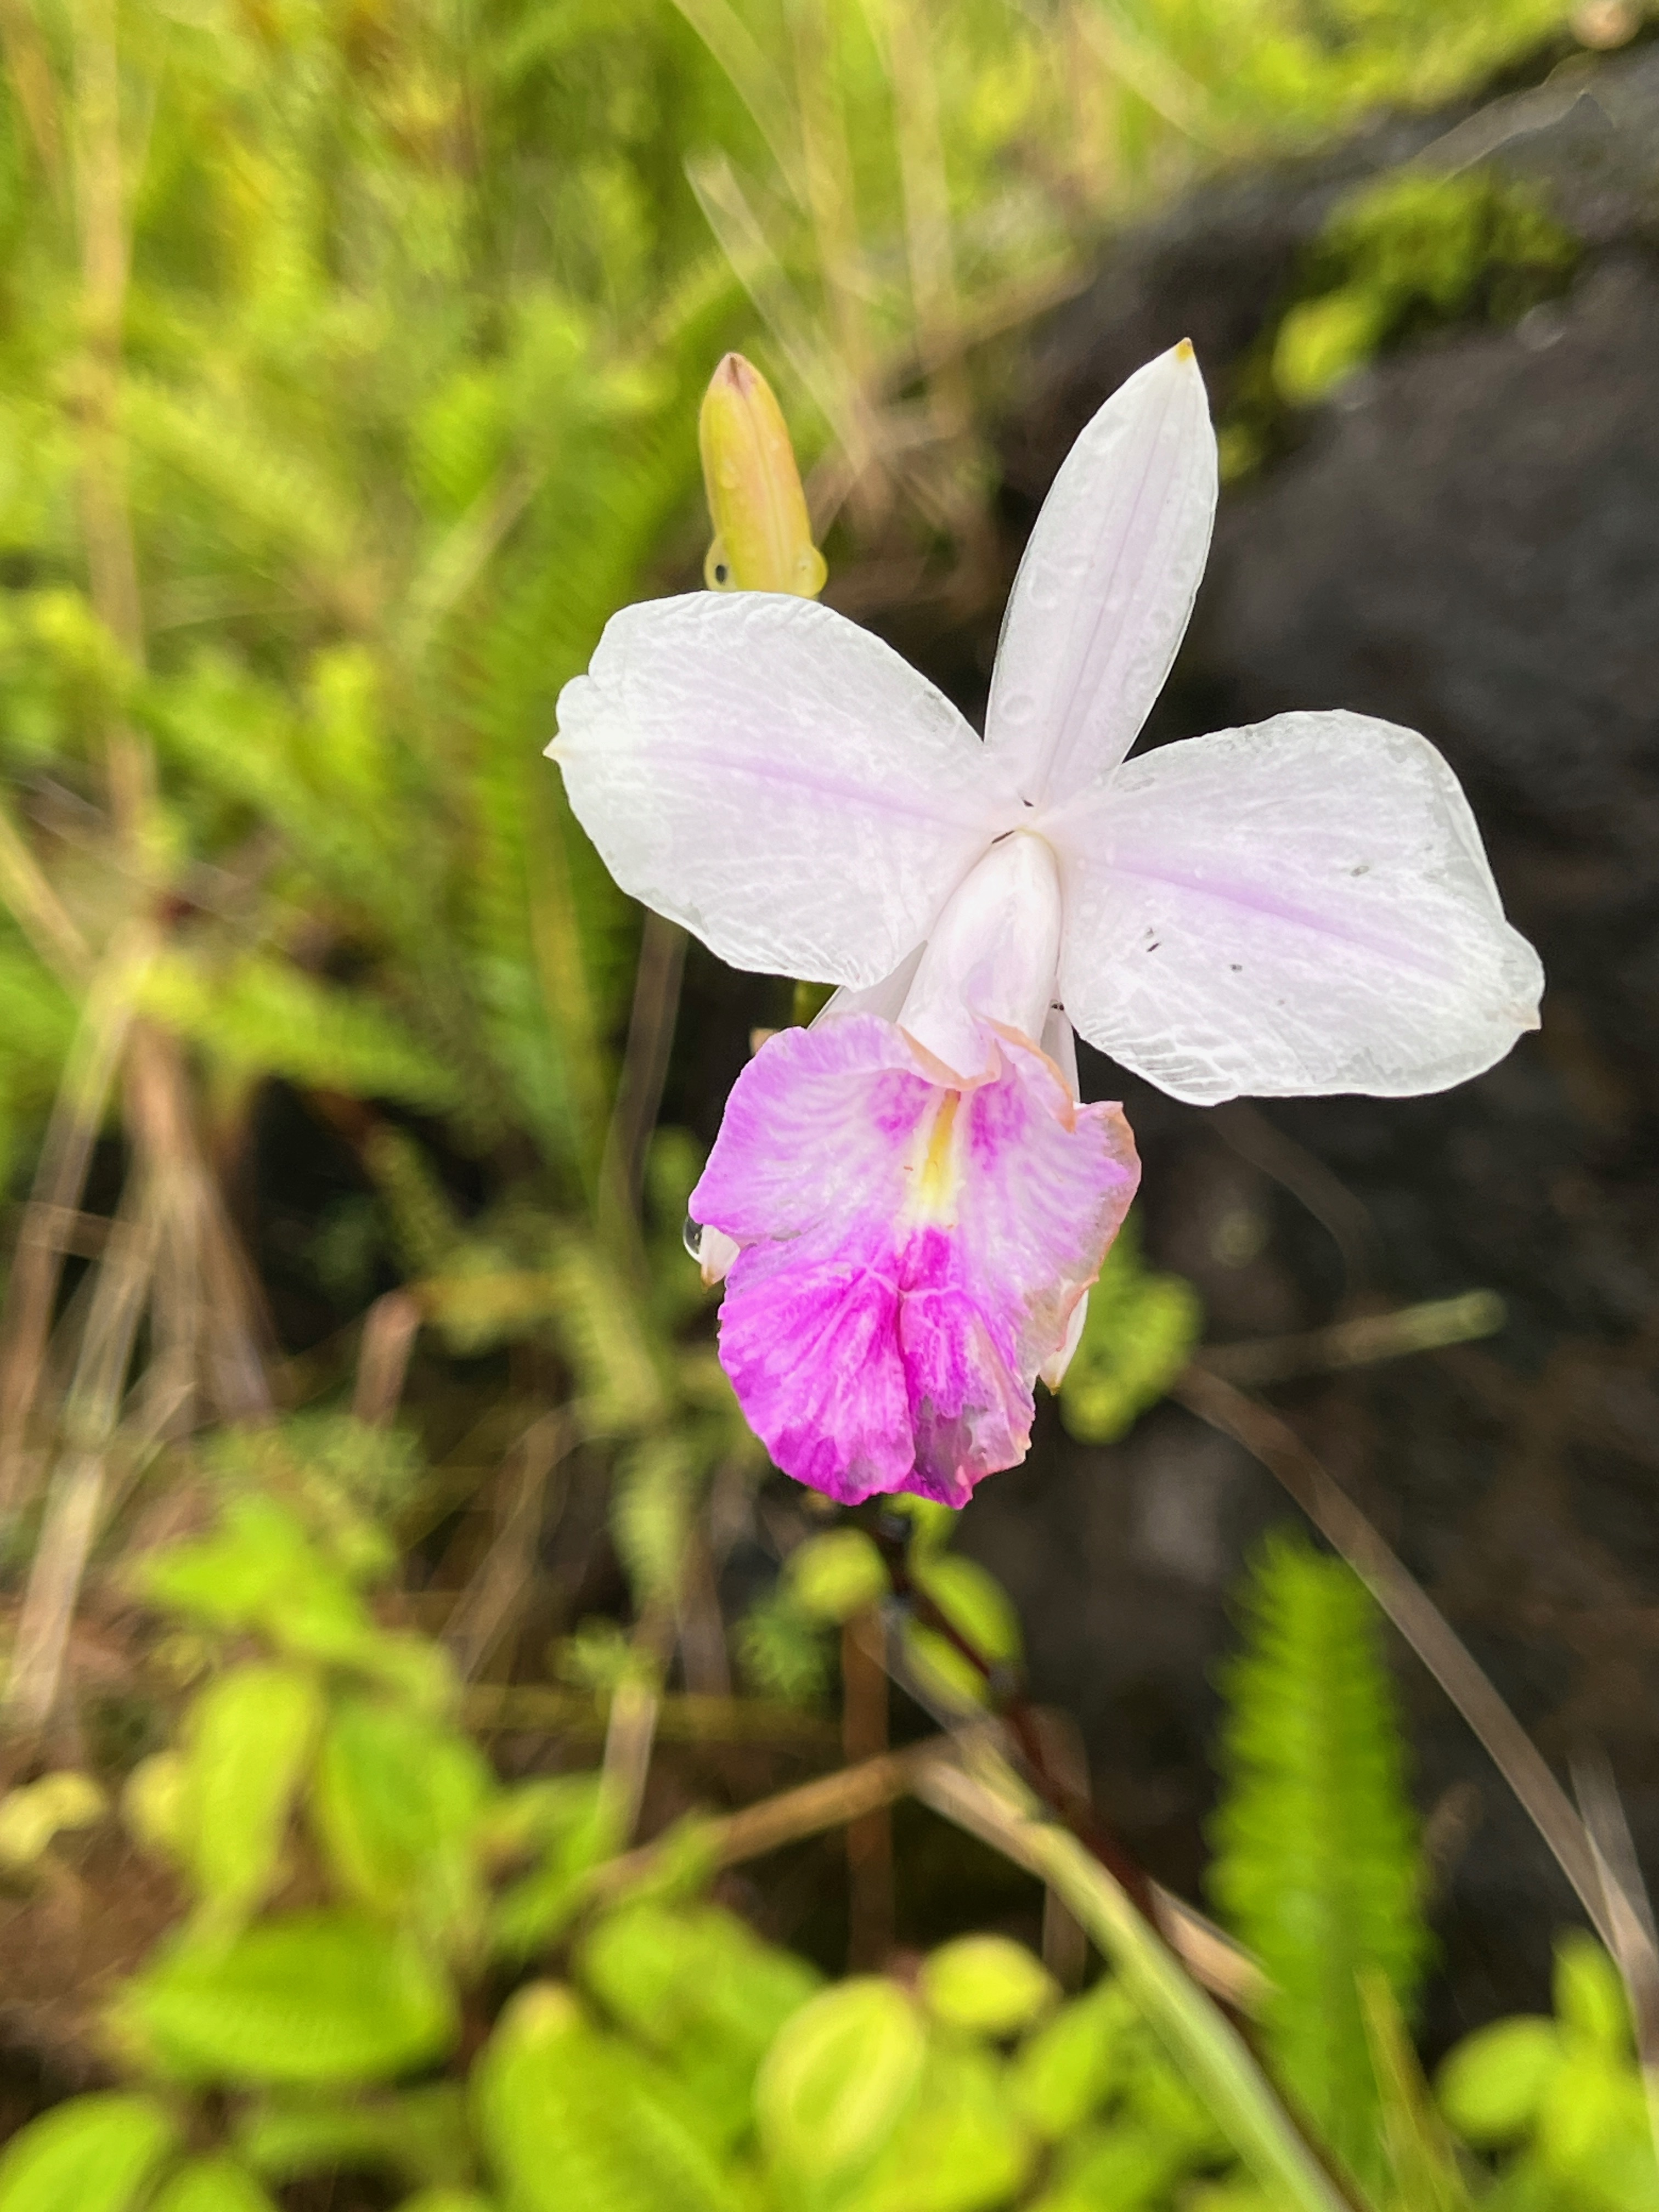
[[762, 534]]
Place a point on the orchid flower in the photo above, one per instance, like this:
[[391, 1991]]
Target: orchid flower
[[911, 1202]]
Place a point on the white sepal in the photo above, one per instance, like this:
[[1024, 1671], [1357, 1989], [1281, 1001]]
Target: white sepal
[[1106, 586], [761, 771], [1297, 907]]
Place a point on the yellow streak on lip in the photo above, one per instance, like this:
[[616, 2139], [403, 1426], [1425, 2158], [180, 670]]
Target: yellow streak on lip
[[937, 1174]]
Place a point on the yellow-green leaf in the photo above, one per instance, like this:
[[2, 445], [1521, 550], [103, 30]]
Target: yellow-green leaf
[[92, 2154]]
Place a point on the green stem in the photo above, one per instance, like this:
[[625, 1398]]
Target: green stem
[[1209, 2050]]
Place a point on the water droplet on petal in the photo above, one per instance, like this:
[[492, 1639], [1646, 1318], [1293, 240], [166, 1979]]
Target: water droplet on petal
[[691, 1237]]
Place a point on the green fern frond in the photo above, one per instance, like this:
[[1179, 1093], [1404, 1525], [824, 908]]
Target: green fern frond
[[260, 1016], [653, 1499], [1140, 1331], [601, 1333], [1317, 1866], [424, 1223]]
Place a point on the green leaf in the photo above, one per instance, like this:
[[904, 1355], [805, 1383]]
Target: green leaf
[[703, 1990], [1238, 2193], [987, 1984], [153, 1805], [1593, 2121], [525, 1817], [1407, 250], [262, 1568], [979, 1609], [247, 1742], [311, 1997], [1491, 2086], [1122, 2167], [1590, 1999], [214, 2184], [534, 1910], [34, 1812], [396, 1805], [1322, 342], [569, 2117], [974, 1603], [95, 2154], [1315, 1866], [449, 2200], [839, 2079], [259, 1569], [834, 1576], [782, 1652], [418, 2136], [961, 2147], [932, 1525], [1064, 2074]]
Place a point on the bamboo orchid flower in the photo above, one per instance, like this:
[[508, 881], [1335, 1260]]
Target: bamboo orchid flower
[[911, 1200]]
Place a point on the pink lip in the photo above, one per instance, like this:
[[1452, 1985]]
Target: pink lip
[[905, 1271]]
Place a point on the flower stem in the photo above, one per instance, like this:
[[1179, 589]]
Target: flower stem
[[1210, 2052]]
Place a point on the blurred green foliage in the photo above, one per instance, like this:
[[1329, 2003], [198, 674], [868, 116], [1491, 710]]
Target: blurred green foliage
[[1412, 252], [344, 1991], [1140, 1331]]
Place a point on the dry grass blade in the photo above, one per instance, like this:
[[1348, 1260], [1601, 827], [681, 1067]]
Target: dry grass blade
[[827, 175], [502, 1708], [871, 1910], [390, 1329], [1344, 1218], [635, 1706], [76, 1498], [28, 65], [1629, 1908], [496, 1594], [1512, 1750], [835, 1801], [101, 200], [1066, 1756], [645, 1058], [760, 269], [905, 32], [205, 1307], [1153, 77], [36, 909], [59, 1178], [1361, 1343], [630, 1734], [1209, 1955], [754, 80]]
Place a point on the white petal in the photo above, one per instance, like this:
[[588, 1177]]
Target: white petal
[[1103, 593], [992, 956], [882, 998], [715, 1253], [1055, 1373], [1301, 907], [765, 772], [1059, 1040]]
